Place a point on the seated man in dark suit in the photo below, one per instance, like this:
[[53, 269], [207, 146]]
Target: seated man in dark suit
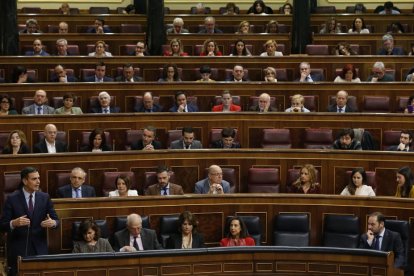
[[99, 27], [128, 74], [32, 27], [164, 187], [238, 74], [388, 47], [263, 104], [62, 47], [100, 71], [341, 105], [37, 49], [76, 188], [148, 104], [379, 238], [50, 144], [1, 80], [227, 140], [134, 237], [378, 73], [148, 141], [214, 183], [346, 140], [181, 104], [187, 141], [61, 75], [210, 26], [406, 138], [105, 104], [306, 74]]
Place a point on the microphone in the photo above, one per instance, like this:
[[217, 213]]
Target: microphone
[[27, 239]]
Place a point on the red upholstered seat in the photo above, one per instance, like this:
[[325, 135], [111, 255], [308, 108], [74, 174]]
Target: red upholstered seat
[[11, 183], [131, 28], [276, 138], [86, 72], [132, 136], [402, 103], [312, 49], [62, 179], [31, 10], [318, 138], [98, 10], [376, 104], [390, 138], [263, 180], [127, 49], [3, 139], [173, 135]]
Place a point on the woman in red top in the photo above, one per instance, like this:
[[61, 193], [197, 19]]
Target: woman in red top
[[238, 235], [306, 183], [210, 49], [176, 49]]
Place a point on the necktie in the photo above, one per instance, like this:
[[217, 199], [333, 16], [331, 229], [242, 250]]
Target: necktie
[[164, 191], [31, 204], [340, 110], [78, 193], [376, 243], [187, 146], [135, 244], [106, 110], [39, 110]]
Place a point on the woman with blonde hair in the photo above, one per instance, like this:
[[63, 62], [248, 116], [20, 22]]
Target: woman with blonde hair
[[306, 183], [100, 50], [270, 74], [210, 48], [271, 46], [244, 27], [297, 104], [176, 49]]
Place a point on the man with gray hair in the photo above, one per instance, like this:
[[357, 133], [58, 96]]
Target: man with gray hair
[[177, 27], [388, 47], [105, 104], [263, 104], [63, 27], [39, 107], [210, 26], [214, 183], [62, 47], [378, 73], [134, 237], [76, 188], [32, 27]]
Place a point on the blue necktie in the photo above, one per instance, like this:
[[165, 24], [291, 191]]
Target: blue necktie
[[164, 191], [340, 110], [376, 244], [39, 110], [78, 193]]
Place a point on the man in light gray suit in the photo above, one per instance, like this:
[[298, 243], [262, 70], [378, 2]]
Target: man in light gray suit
[[214, 183], [187, 141], [134, 237], [39, 107]]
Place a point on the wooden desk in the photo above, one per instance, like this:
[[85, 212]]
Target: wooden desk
[[220, 261]]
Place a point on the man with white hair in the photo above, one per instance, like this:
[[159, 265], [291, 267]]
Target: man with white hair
[[134, 237], [378, 73], [62, 47], [105, 104], [210, 26], [388, 47], [63, 27], [177, 27], [60, 75], [263, 104], [32, 27]]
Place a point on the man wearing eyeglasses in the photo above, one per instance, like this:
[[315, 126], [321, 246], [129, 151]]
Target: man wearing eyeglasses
[[378, 73], [306, 74], [214, 183], [140, 50]]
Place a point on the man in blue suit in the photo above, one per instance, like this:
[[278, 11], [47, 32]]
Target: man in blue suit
[[99, 27], [37, 49], [100, 71], [105, 104], [181, 104], [306, 74], [214, 183], [76, 188], [60, 75], [27, 214], [388, 47]]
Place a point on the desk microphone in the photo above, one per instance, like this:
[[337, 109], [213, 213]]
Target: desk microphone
[[27, 239]]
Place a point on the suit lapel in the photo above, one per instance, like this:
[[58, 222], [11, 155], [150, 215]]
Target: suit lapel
[[385, 240]]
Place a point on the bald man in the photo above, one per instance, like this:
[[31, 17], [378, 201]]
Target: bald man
[[39, 107], [60, 75], [49, 144], [341, 103], [214, 183], [148, 104]]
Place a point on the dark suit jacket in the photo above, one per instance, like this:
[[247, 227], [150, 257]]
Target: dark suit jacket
[[155, 108], [395, 148], [218, 144], [257, 109], [122, 79], [231, 79], [391, 241], [42, 148], [333, 108], [178, 144], [23, 149], [386, 78], [139, 145], [92, 79], [395, 52], [112, 109], [70, 79], [92, 30], [17, 238], [1, 80], [175, 241], [148, 237], [315, 77], [190, 107], [31, 53], [355, 145], [216, 31], [155, 189], [66, 191], [89, 148]]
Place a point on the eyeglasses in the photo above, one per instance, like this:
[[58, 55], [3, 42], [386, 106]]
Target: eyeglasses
[[5, 102]]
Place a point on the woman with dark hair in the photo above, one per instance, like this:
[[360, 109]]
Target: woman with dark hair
[[358, 184], [348, 74], [306, 183], [410, 105], [89, 240], [396, 28], [68, 109], [187, 236], [272, 27], [343, 49], [240, 49], [97, 141], [259, 7], [331, 26], [237, 234], [123, 185], [16, 143], [19, 75], [169, 73], [6, 106], [404, 183], [231, 9], [176, 49], [210, 49], [287, 8], [358, 27]]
